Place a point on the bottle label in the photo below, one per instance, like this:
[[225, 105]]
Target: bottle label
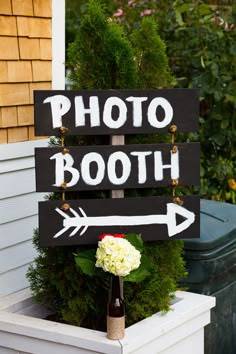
[[115, 327]]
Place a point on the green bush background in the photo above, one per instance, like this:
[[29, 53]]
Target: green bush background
[[102, 57], [199, 39]]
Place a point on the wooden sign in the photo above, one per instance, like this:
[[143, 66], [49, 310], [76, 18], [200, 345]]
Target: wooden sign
[[116, 167], [114, 112], [156, 218]]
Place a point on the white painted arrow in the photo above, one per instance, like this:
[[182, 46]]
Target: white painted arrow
[[169, 219]]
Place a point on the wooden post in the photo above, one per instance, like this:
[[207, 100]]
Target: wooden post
[[117, 140]]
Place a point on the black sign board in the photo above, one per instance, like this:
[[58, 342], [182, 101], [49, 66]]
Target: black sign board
[[114, 112], [156, 218], [117, 167]]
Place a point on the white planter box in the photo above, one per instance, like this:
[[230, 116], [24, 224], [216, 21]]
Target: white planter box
[[181, 331]]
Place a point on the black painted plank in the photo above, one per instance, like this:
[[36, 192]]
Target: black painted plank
[[184, 102], [51, 221], [142, 169]]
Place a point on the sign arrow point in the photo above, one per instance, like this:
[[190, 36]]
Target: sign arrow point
[[172, 211]]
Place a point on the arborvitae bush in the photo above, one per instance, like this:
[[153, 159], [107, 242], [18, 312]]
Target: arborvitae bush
[[152, 63], [102, 57]]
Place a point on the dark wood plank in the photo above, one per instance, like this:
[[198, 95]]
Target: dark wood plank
[[133, 213], [184, 104], [134, 171]]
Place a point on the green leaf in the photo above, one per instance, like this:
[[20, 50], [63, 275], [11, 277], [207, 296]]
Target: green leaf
[[224, 124], [217, 116], [183, 8], [204, 9], [141, 273], [179, 19], [202, 62], [86, 262], [135, 240], [219, 139]]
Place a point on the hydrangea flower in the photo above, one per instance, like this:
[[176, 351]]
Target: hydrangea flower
[[116, 255]]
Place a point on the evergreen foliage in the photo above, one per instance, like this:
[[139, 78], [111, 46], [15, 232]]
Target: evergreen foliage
[[150, 56], [102, 57]]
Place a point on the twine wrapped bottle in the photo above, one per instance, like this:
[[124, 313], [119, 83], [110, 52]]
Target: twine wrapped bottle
[[116, 310]]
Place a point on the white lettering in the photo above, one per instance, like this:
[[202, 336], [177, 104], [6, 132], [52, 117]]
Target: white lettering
[[159, 167], [64, 163], [137, 109], [93, 110], [89, 158], [152, 118], [107, 113], [111, 167], [60, 105], [142, 166]]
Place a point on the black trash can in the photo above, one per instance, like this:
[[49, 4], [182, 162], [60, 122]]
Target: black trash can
[[211, 263]]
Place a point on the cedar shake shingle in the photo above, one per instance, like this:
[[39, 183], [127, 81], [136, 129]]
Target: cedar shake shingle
[[29, 48], [5, 8], [7, 25], [38, 86], [3, 71], [42, 70], [42, 8], [14, 94], [17, 134], [9, 117], [22, 7], [19, 71], [3, 136], [25, 115], [25, 64], [46, 49], [34, 27], [8, 48]]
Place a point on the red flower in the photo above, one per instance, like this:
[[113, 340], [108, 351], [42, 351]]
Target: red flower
[[114, 235], [119, 235]]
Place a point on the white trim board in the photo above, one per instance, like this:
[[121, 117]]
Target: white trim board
[[58, 44]]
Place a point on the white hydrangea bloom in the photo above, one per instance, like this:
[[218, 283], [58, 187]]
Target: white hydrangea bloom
[[117, 256]]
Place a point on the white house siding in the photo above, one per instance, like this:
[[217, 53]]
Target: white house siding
[[18, 213], [18, 199]]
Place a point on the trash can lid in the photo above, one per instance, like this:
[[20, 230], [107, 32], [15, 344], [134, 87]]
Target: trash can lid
[[217, 226]]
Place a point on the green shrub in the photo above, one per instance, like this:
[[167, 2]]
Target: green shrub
[[102, 57], [200, 40]]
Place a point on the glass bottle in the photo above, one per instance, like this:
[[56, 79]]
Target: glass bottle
[[116, 310]]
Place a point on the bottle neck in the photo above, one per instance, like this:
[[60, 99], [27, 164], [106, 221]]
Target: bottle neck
[[116, 287]]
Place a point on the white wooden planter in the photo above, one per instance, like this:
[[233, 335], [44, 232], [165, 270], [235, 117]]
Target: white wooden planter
[[181, 331]]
